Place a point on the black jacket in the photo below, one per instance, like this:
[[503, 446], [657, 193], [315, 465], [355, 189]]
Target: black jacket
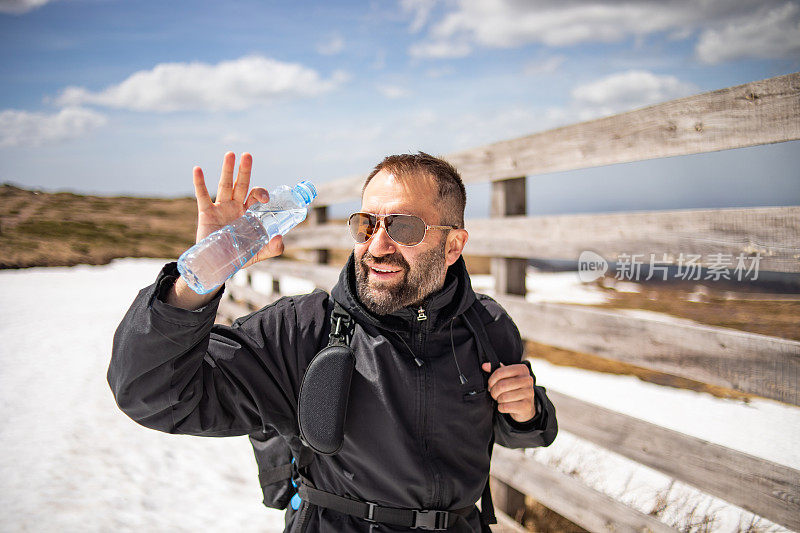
[[415, 436]]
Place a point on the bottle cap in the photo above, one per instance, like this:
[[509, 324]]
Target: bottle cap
[[306, 190]]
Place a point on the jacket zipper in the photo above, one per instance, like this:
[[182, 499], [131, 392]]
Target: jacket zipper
[[422, 317]]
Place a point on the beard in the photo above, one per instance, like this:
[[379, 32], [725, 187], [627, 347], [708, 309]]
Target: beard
[[417, 283]]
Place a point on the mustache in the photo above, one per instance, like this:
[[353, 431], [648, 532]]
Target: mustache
[[396, 259]]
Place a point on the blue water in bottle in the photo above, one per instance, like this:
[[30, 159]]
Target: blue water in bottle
[[209, 263]]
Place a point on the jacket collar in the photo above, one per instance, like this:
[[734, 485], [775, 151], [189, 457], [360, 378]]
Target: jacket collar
[[455, 297]]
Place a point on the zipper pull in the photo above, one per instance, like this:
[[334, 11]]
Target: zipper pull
[[421, 314]]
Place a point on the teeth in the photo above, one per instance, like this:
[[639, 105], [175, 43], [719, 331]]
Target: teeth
[[380, 270]]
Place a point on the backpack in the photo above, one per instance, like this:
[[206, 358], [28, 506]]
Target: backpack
[[281, 460]]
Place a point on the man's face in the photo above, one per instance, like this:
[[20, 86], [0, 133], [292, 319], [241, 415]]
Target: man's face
[[390, 276]]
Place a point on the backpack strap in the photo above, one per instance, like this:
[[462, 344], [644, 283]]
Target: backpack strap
[[342, 326], [474, 321], [486, 353]]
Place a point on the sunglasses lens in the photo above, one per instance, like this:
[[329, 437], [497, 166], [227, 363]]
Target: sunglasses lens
[[362, 226], [405, 229]]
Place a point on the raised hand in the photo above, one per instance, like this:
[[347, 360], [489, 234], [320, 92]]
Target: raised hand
[[231, 202]]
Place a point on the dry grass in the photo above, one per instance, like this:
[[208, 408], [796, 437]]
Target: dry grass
[[60, 229], [742, 308]]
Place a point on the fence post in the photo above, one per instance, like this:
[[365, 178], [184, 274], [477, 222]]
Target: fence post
[[508, 198], [507, 499], [318, 216]]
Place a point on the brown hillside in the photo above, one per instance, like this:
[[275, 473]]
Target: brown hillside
[[59, 229]]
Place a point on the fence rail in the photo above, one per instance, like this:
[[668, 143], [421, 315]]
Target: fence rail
[[762, 112]]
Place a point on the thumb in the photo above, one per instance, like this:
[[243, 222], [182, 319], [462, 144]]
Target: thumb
[[487, 367]]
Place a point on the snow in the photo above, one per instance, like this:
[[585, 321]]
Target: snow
[[562, 287], [73, 462]]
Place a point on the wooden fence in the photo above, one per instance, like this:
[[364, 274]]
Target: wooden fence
[[756, 113]]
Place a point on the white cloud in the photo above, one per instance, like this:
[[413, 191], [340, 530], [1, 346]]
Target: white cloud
[[626, 90], [440, 49], [421, 9], [18, 7], [331, 47], [556, 23], [775, 33], [230, 85], [392, 91], [22, 128]]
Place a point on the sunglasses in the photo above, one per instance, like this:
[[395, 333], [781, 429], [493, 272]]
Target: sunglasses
[[405, 230]]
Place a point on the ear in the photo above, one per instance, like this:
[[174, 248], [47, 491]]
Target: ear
[[456, 239]]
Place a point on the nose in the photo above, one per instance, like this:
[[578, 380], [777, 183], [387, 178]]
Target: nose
[[381, 244]]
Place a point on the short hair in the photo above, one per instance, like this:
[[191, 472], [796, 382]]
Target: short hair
[[451, 191]]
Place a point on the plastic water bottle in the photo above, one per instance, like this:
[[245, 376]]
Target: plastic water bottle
[[209, 263]]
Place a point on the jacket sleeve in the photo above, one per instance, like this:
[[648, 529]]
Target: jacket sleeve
[[542, 429], [174, 370]]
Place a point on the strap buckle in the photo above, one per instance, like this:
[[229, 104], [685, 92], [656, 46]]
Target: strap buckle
[[340, 328], [430, 520], [370, 511]]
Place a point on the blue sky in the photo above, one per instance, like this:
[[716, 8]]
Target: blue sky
[[125, 97]]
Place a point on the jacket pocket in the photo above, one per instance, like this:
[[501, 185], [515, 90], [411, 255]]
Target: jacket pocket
[[475, 395]]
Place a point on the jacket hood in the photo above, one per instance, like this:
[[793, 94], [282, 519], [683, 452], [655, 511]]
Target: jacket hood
[[453, 299]]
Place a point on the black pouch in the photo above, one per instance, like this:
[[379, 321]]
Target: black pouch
[[325, 389], [322, 406]]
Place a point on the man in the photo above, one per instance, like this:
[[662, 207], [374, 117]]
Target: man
[[423, 408]]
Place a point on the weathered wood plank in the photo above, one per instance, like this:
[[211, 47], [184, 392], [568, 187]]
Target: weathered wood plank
[[569, 497], [330, 236], [761, 112], [755, 113], [765, 488], [322, 276], [247, 295], [771, 232], [229, 310], [506, 524], [758, 364]]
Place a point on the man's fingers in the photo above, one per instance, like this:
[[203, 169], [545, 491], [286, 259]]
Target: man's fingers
[[520, 406], [275, 245], [507, 372], [225, 188], [509, 384], [243, 178], [513, 395], [273, 248], [200, 191], [257, 194]]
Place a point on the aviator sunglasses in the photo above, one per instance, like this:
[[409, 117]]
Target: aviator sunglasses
[[406, 230]]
